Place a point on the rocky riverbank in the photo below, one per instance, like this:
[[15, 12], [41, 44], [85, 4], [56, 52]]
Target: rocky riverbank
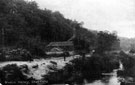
[[56, 70]]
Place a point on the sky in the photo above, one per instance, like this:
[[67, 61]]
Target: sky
[[111, 15]]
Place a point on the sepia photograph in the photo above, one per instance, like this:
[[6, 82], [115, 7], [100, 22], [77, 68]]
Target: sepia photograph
[[67, 42]]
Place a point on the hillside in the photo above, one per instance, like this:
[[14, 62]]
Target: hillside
[[127, 43], [25, 25]]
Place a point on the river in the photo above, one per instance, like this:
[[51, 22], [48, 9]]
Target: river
[[110, 79]]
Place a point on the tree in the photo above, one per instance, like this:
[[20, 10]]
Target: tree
[[84, 39], [105, 40]]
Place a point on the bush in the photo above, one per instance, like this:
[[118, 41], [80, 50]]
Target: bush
[[13, 73], [18, 55]]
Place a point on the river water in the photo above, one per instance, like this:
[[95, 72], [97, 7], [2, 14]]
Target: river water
[[110, 79]]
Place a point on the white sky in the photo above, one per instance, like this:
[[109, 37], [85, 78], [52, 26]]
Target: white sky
[[112, 15]]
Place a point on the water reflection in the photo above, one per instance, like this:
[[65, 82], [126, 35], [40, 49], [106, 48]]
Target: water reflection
[[110, 79], [113, 80]]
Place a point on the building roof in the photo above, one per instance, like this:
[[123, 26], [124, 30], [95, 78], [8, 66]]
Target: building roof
[[68, 43]]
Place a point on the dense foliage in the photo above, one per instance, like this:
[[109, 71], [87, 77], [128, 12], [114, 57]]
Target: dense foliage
[[106, 41], [24, 25], [13, 75]]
